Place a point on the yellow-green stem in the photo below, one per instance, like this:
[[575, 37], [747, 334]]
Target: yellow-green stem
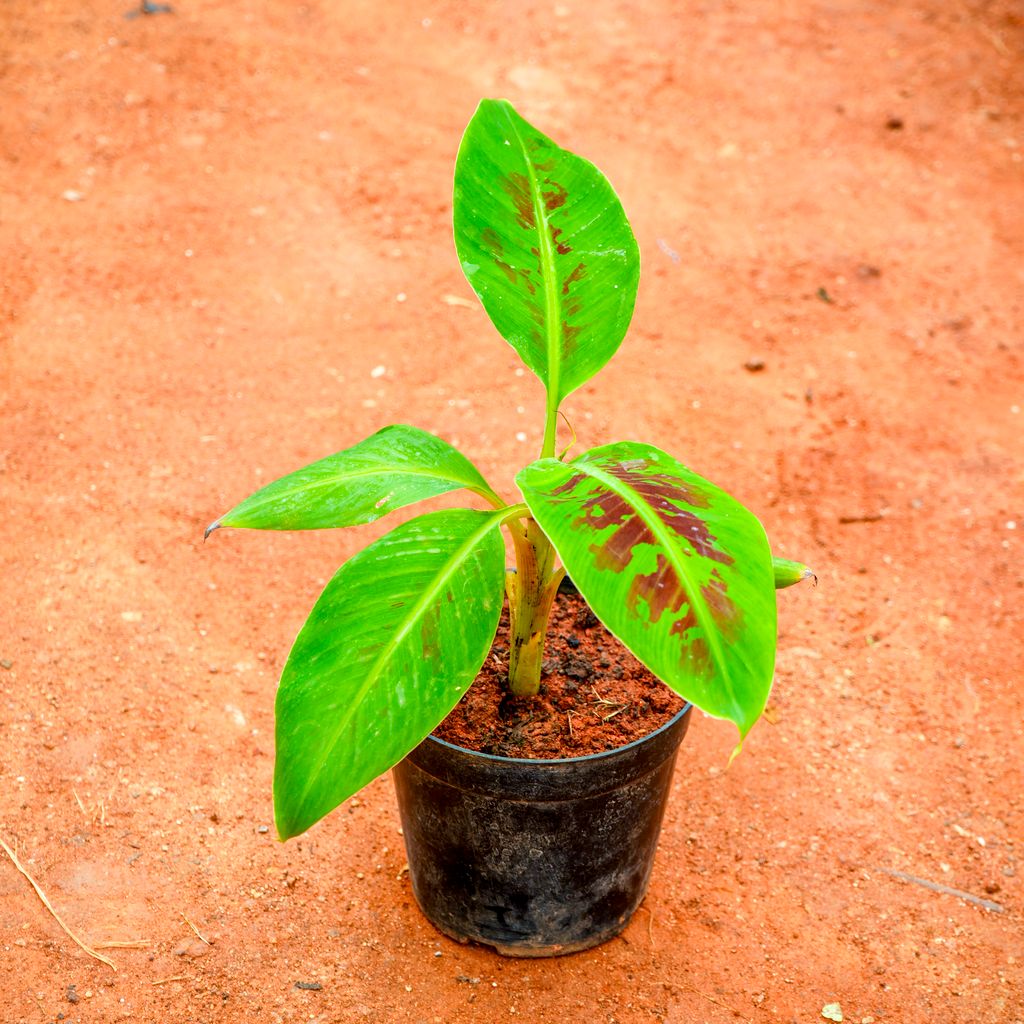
[[530, 590]]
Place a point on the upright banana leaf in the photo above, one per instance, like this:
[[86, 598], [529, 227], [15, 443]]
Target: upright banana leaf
[[677, 569], [394, 641], [387, 470], [546, 246]]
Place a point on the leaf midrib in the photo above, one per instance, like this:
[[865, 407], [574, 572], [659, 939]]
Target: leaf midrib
[[552, 306], [391, 645], [336, 479]]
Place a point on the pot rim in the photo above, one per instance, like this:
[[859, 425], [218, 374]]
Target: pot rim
[[539, 762]]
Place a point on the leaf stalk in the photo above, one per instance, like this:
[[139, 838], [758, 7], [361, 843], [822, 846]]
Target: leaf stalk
[[531, 590]]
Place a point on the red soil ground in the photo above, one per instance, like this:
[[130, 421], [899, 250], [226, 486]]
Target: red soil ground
[[218, 223]]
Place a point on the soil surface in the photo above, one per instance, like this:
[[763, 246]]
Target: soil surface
[[594, 695], [226, 251]]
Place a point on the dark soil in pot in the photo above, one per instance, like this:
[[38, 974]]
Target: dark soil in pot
[[594, 694], [549, 853]]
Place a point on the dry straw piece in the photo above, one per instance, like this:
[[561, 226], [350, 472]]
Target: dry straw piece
[[46, 903]]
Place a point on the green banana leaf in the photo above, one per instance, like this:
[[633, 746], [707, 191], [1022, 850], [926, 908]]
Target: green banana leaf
[[545, 244], [395, 639], [394, 467], [677, 569]]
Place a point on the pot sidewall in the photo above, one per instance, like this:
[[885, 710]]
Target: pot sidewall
[[534, 857]]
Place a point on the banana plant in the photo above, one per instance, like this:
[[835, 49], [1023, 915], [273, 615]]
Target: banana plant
[[677, 569]]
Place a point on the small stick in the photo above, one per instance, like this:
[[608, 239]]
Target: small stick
[[607, 703], [996, 39], [650, 924], [710, 999], [129, 944], [196, 930], [568, 715], [49, 907], [869, 517], [174, 977], [947, 890], [81, 806]]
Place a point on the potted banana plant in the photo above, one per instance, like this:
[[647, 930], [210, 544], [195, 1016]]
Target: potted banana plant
[[532, 857]]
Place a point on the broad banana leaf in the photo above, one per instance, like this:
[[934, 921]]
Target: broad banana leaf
[[395, 639], [677, 569], [394, 467], [546, 246]]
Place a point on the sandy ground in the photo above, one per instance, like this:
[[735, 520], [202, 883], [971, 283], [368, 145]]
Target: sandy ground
[[216, 224]]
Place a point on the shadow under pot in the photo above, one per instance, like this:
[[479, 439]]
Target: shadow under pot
[[534, 858]]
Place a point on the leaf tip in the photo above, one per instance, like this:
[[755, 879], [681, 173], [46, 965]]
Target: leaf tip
[[215, 525], [287, 826], [789, 573], [737, 750], [744, 727]]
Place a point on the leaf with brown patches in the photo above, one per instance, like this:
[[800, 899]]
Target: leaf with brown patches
[[680, 571], [546, 246]]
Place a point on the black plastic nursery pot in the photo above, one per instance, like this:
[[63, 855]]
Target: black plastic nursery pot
[[534, 858]]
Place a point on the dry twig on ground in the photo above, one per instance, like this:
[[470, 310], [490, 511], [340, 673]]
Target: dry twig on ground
[[46, 903]]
